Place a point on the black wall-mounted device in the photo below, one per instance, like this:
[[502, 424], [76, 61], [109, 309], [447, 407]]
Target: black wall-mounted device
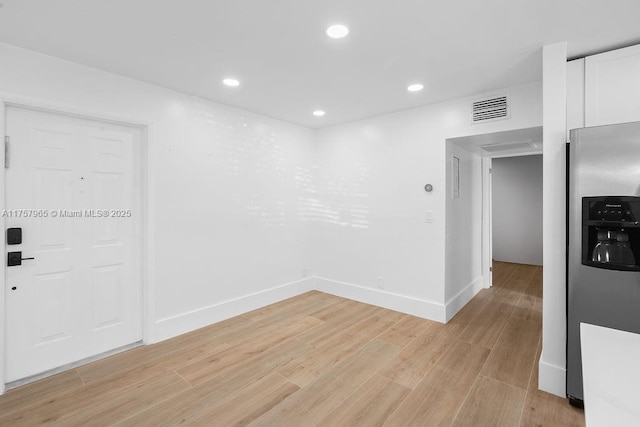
[[14, 236]]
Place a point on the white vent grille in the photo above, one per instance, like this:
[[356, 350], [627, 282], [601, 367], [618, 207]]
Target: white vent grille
[[489, 109]]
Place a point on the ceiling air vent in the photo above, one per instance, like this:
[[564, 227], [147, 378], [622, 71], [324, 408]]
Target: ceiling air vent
[[489, 109]]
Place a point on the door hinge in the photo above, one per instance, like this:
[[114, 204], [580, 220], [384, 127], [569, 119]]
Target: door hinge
[[490, 268], [6, 152], [489, 171]]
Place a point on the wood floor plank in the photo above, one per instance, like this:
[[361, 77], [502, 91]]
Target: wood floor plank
[[544, 409], [437, 398], [491, 403], [524, 271], [281, 307], [332, 312], [203, 369], [520, 277], [469, 312], [262, 328], [143, 355], [300, 306], [369, 405], [198, 400], [81, 403], [347, 315], [331, 349], [535, 286], [487, 327], [403, 332], [371, 326], [157, 366], [133, 357], [306, 369], [501, 272], [31, 394], [416, 359], [249, 404], [514, 353], [390, 315], [122, 405], [529, 307], [311, 404]]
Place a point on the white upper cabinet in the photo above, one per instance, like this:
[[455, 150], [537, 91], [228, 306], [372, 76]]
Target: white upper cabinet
[[575, 94], [612, 87]]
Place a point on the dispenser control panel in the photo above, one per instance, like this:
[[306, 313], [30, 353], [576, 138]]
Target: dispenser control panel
[[612, 211], [611, 232]]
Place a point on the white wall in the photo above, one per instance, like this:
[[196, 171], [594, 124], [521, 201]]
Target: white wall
[[553, 359], [463, 239], [517, 209], [373, 203], [228, 188]]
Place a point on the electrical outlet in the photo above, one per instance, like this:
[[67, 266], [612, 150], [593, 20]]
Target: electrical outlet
[[380, 282], [305, 273]]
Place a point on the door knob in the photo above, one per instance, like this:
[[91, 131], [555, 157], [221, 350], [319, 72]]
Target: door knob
[[15, 258]]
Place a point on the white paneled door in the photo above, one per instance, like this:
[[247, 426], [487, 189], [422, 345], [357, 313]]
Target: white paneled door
[[73, 188]]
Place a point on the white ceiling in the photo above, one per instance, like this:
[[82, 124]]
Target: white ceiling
[[287, 65]]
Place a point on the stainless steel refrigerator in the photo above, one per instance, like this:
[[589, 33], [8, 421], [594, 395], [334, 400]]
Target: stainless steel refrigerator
[[603, 254]]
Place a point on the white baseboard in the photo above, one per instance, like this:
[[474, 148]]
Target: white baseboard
[[186, 322], [402, 303], [176, 325], [552, 379], [464, 296]]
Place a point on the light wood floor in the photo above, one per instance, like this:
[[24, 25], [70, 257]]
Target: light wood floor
[[317, 359]]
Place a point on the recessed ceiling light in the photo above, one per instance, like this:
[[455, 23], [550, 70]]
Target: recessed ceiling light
[[231, 82], [337, 31], [416, 87], [318, 113]]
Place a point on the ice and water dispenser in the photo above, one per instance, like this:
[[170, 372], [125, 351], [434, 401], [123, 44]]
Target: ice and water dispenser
[[611, 232]]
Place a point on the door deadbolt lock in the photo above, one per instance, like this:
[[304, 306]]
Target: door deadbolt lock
[[15, 258]]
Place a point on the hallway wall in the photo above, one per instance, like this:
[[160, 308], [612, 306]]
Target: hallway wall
[[517, 209]]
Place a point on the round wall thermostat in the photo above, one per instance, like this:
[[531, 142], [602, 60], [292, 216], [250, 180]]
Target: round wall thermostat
[[428, 188]]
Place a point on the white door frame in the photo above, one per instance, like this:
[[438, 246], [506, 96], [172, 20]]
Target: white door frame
[[487, 214], [487, 224], [147, 217]]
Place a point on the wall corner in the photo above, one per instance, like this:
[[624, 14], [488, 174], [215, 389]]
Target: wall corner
[[554, 119]]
